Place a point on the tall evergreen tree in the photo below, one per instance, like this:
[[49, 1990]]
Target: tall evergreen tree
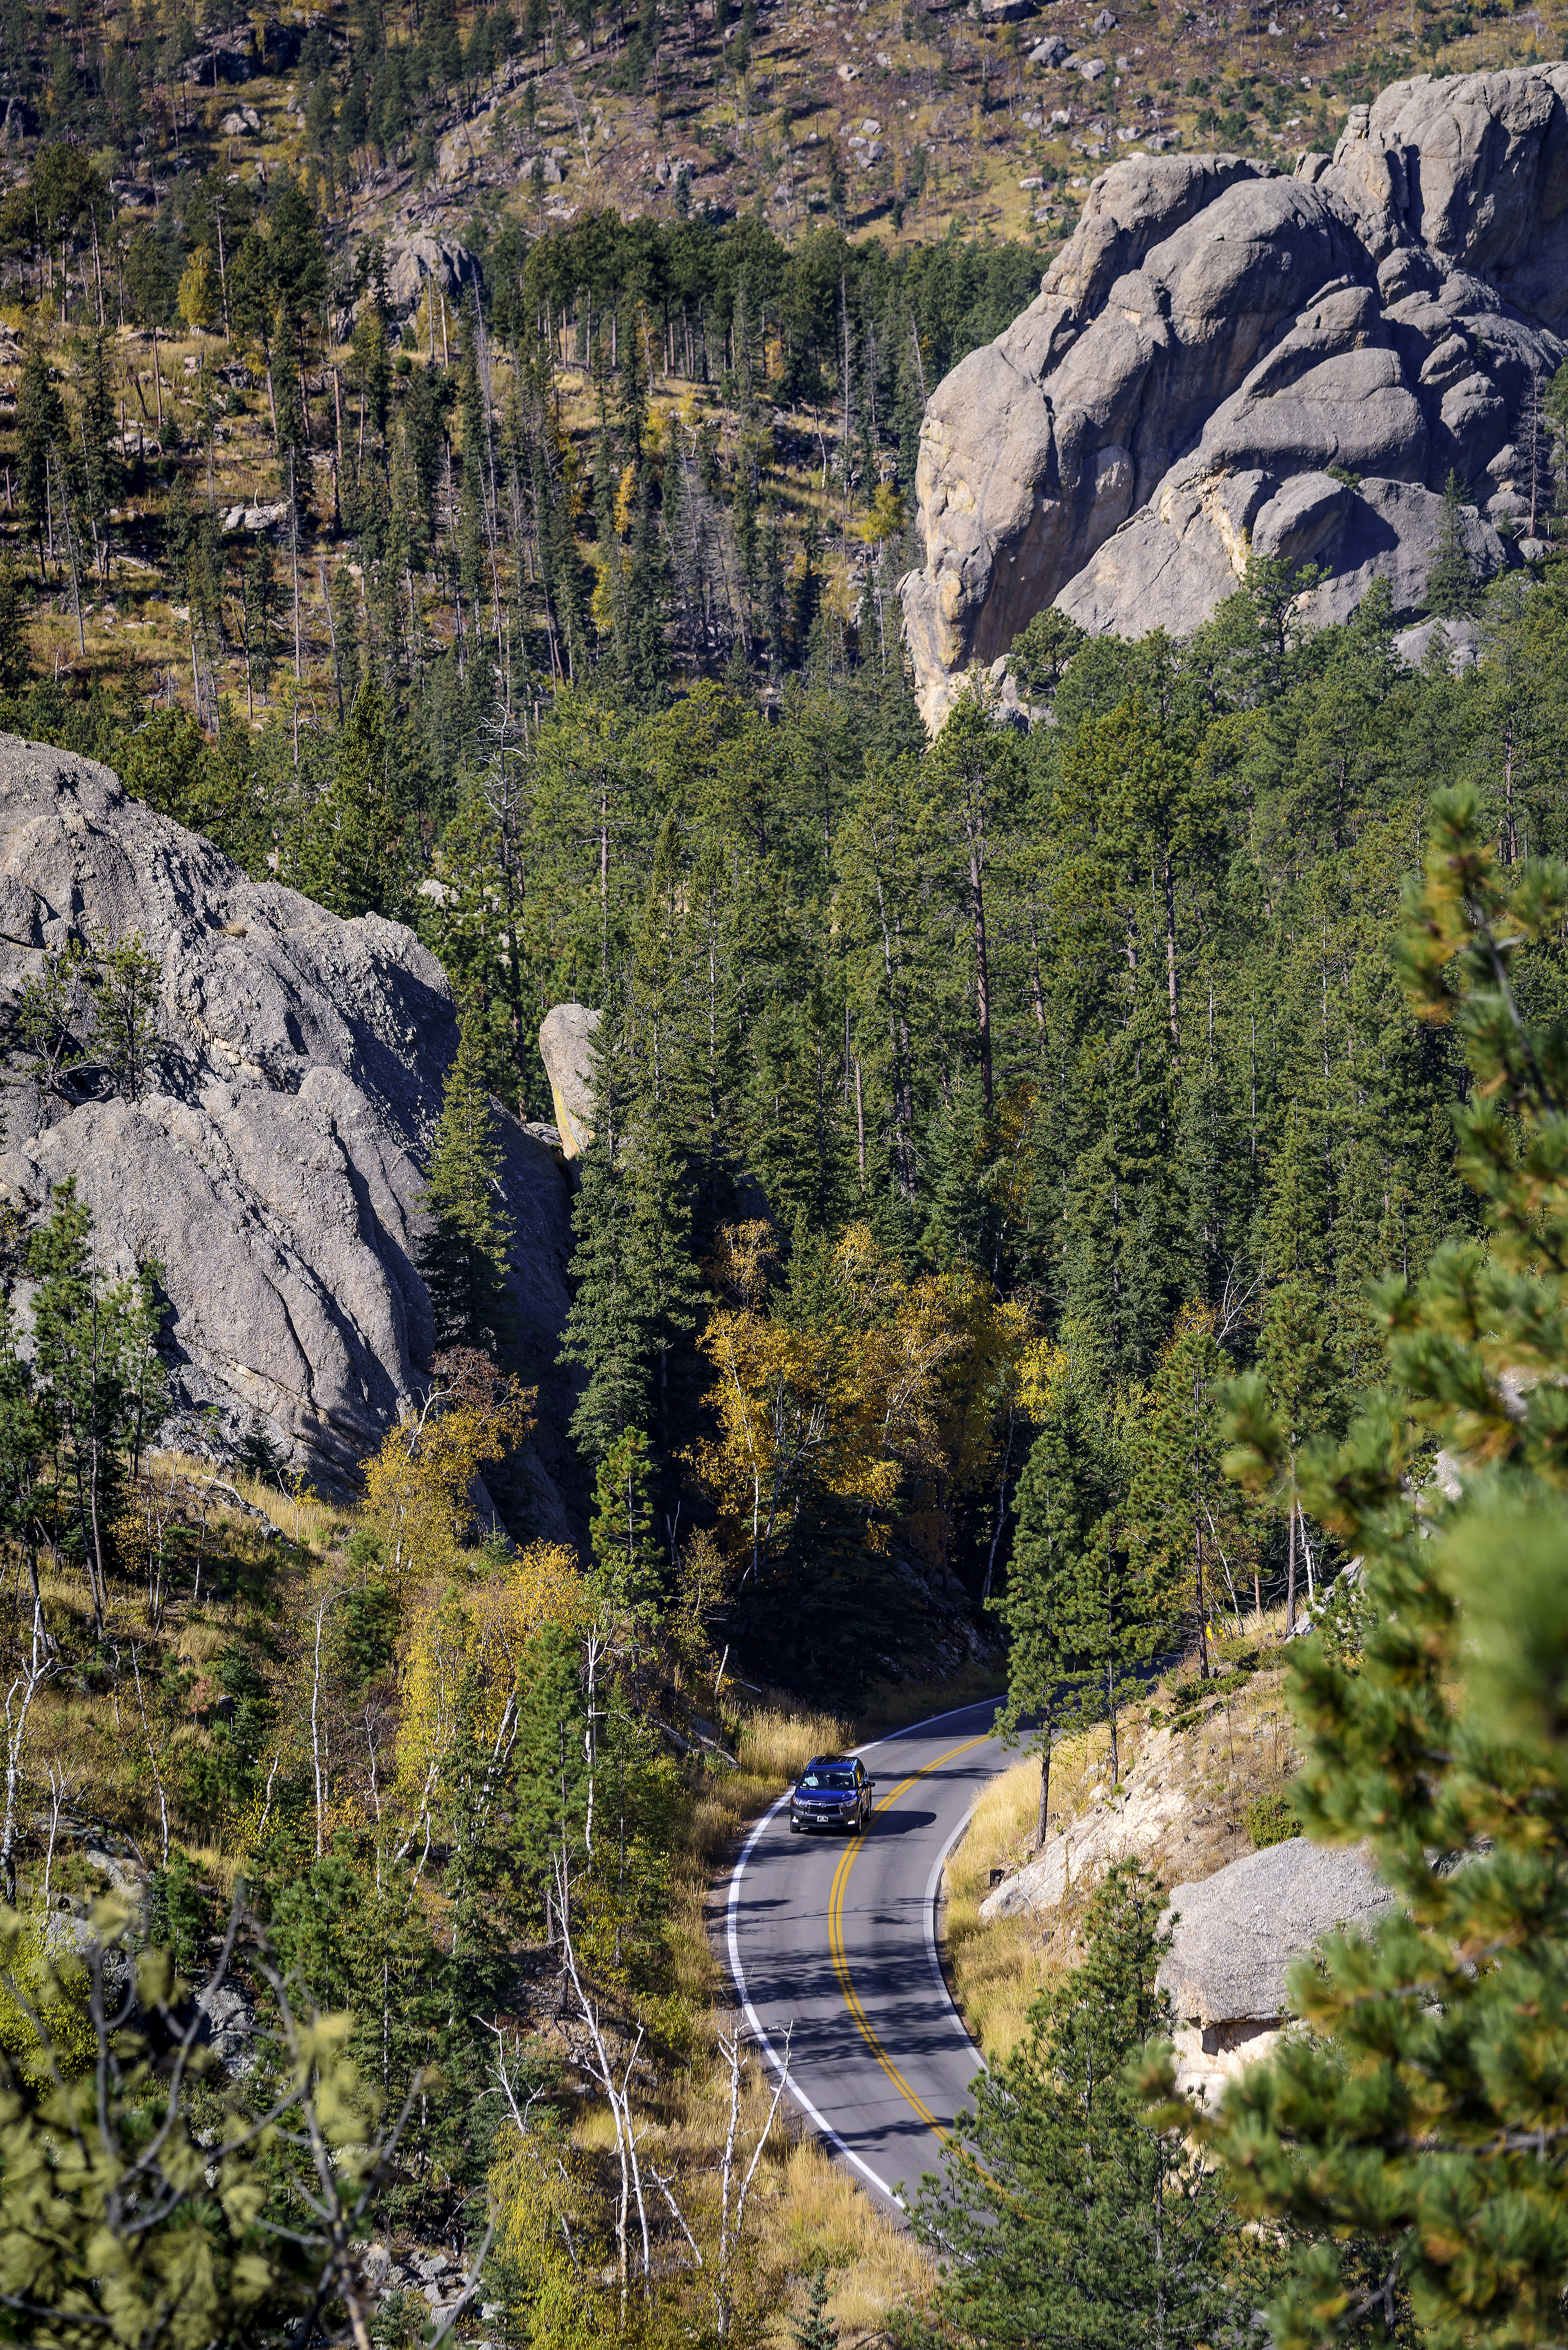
[[1423, 2110], [622, 1530], [1174, 1484], [465, 1254], [1453, 588], [347, 851], [1065, 2221], [606, 1332]]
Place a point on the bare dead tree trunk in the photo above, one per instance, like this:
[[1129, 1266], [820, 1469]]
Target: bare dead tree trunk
[[29, 1681]]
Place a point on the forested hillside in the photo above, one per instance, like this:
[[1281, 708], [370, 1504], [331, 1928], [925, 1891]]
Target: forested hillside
[[996, 1145]]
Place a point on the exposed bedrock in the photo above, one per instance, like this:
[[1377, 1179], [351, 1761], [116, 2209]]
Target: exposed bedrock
[[1220, 344], [273, 1163]]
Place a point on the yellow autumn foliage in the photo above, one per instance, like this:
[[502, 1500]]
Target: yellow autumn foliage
[[625, 499], [417, 1486], [903, 1390], [463, 1671], [545, 2204], [884, 517]]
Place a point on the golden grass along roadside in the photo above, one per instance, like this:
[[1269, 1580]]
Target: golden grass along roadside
[[809, 2213], [1233, 1744]]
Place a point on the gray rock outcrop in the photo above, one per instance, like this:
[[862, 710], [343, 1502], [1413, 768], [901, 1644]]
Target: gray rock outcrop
[[1236, 1936], [1238, 1932], [1225, 359], [566, 1049], [272, 1161], [1143, 1817], [422, 259]]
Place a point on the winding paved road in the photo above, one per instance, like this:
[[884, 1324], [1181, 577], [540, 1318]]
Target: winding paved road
[[835, 1936]]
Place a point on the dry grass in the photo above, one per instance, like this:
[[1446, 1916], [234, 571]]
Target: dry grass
[[809, 2211], [308, 1521], [823, 2220], [997, 1969], [1000, 1968], [1240, 1745]]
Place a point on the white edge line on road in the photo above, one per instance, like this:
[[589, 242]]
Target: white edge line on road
[[933, 1886], [738, 1976], [770, 2052]]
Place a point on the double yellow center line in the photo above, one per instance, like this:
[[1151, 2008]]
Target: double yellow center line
[[836, 1936]]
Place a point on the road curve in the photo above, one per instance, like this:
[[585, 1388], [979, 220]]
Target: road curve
[[832, 1944]]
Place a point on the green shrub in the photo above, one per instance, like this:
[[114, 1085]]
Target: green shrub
[[1271, 1819]]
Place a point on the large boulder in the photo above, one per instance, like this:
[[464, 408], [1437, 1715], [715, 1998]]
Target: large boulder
[[272, 1164], [421, 259], [1225, 359], [1236, 1935], [566, 1049]]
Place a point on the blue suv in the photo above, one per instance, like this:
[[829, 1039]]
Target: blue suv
[[833, 1791]]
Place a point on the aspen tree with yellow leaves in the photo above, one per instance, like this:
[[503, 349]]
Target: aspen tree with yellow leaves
[[418, 1486], [850, 1400]]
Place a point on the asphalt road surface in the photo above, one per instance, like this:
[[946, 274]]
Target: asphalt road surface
[[832, 1942]]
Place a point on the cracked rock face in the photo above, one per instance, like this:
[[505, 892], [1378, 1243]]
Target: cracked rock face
[[1220, 344], [273, 1163]]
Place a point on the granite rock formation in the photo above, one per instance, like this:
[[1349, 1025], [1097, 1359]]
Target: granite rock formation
[[566, 1049], [271, 1161], [1236, 1936], [1229, 360]]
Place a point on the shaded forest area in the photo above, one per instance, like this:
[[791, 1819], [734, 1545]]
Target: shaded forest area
[[935, 1080], [945, 1089]]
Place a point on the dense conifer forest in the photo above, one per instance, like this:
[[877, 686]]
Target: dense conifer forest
[[1051, 1191]]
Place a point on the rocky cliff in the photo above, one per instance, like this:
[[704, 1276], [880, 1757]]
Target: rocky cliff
[[272, 1159], [1226, 359]]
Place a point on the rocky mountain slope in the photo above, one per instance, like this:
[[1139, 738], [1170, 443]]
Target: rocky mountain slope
[[1227, 359], [271, 1159]]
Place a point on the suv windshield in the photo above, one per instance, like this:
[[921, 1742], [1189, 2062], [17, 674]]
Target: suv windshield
[[842, 1781]]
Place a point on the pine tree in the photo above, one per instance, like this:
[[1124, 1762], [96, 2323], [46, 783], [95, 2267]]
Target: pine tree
[[261, 606], [96, 1378], [605, 1331], [465, 1255], [125, 989], [347, 851], [1453, 587], [1174, 1452], [647, 581], [1065, 2220], [1042, 651], [815, 2329], [625, 1551], [476, 932], [1060, 1502], [660, 1122], [1424, 2110], [15, 655], [796, 1112], [41, 430], [975, 780]]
